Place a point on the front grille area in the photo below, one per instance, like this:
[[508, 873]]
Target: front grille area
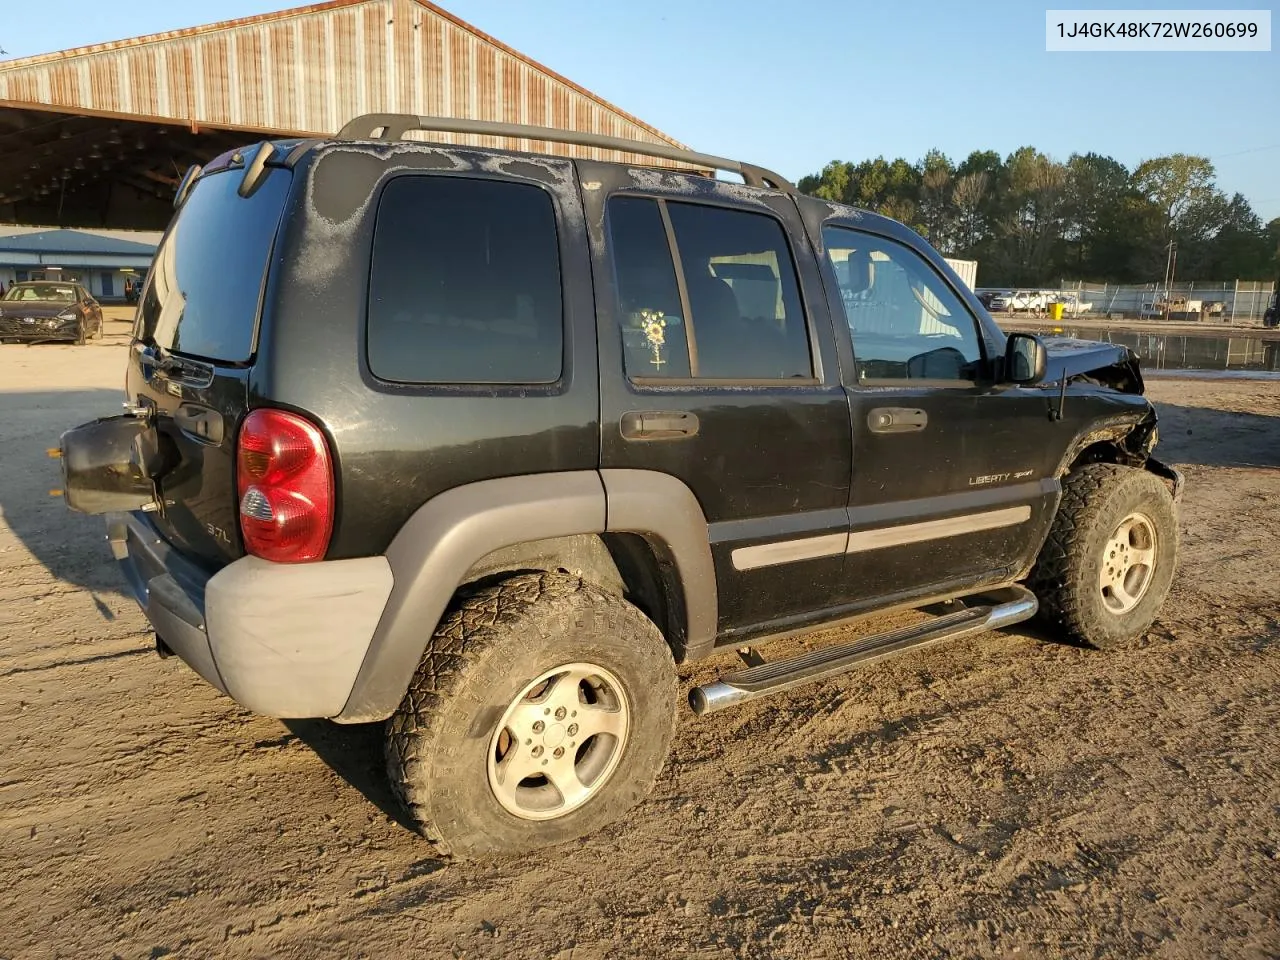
[[35, 327]]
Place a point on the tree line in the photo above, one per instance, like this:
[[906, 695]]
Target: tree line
[[1031, 220]]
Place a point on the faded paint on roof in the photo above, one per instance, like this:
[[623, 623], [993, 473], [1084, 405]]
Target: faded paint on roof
[[308, 71], [150, 237], [62, 242]]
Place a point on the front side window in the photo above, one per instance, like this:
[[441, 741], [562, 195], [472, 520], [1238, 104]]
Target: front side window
[[465, 285], [906, 323], [739, 315]]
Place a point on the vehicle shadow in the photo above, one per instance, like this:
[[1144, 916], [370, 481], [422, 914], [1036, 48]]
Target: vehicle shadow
[[69, 545], [1217, 438], [353, 752]]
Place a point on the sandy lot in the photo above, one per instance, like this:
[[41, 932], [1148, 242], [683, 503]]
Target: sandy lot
[[1003, 796]]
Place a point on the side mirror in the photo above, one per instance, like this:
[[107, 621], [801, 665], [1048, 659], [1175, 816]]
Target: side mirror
[[1025, 359]]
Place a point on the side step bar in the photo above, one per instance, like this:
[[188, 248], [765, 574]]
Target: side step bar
[[989, 611]]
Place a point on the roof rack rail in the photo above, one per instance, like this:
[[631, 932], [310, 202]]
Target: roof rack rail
[[393, 126]]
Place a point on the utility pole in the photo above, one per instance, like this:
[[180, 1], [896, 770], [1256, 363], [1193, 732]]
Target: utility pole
[[1170, 263]]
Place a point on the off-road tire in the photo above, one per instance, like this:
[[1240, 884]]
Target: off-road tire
[[489, 646], [1095, 499]]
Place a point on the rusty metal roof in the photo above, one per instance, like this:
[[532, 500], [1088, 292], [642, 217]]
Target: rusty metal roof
[[308, 70]]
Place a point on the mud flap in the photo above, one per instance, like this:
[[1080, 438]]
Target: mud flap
[[111, 465]]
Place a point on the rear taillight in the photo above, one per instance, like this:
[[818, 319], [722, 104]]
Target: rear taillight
[[284, 477]]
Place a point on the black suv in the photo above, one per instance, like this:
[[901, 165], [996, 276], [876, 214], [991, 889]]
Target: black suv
[[485, 444]]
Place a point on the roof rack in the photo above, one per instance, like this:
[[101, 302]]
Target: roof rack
[[393, 126]]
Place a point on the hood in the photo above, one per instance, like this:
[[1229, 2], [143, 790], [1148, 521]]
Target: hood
[[35, 308], [1070, 358]]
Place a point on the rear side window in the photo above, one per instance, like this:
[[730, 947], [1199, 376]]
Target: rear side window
[[738, 316], [203, 293], [465, 285]]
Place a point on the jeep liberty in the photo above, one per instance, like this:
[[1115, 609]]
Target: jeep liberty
[[485, 444]]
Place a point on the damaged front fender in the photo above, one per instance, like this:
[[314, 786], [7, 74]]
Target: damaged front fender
[[1112, 364]]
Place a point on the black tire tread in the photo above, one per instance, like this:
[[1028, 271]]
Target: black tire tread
[[1085, 496], [471, 626]]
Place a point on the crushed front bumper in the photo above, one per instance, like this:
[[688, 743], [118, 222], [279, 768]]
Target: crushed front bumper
[[1174, 476], [37, 329]]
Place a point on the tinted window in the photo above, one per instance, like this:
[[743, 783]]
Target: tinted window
[[204, 288], [465, 286], [745, 319], [905, 321], [653, 332]]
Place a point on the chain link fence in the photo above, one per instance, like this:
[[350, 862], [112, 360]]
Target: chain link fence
[[1238, 302]]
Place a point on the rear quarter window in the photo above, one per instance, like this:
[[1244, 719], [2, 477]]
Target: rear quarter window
[[205, 286], [465, 283]]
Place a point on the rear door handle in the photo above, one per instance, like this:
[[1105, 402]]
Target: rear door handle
[[896, 420], [659, 425]]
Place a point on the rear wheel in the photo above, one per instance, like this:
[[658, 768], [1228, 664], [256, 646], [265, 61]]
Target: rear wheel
[[543, 710], [1106, 568]]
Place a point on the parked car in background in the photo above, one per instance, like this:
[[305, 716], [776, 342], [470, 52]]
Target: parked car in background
[[1029, 301], [45, 310], [1175, 307], [998, 302]]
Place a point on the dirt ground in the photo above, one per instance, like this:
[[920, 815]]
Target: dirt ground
[[1003, 796]]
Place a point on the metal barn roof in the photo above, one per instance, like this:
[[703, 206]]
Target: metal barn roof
[[310, 70], [95, 136]]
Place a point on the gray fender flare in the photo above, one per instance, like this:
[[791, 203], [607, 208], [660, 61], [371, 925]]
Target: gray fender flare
[[662, 507], [450, 533]]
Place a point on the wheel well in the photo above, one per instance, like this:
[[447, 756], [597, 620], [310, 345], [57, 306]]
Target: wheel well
[[1105, 451], [628, 565]]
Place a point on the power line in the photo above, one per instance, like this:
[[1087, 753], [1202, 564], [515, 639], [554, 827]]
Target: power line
[[1241, 153]]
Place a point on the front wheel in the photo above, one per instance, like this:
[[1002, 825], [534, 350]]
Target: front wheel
[[1105, 570], [543, 710]]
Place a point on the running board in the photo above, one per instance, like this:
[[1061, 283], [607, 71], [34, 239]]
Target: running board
[[989, 611]]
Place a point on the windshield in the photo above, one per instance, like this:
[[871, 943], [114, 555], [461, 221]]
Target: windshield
[[56, 292]]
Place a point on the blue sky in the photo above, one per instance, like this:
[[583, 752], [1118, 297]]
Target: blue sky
[[793, 85]]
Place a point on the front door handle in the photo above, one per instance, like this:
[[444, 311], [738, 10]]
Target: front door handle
[[659, 425], [896, 420]]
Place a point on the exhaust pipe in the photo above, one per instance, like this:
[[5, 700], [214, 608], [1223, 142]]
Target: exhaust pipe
[[711, 697]]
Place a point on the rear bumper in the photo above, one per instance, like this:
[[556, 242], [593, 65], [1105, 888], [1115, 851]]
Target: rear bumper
[[284, 640]]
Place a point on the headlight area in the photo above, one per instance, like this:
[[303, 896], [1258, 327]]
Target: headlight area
[[62, 319]]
